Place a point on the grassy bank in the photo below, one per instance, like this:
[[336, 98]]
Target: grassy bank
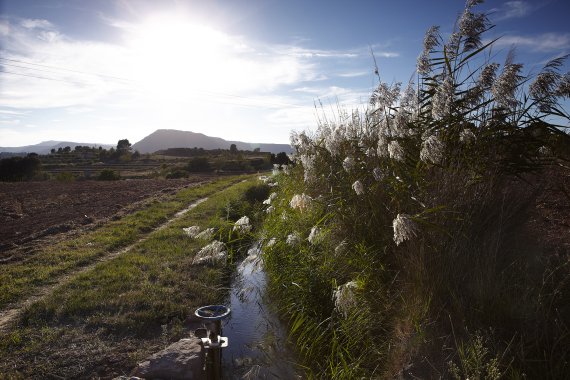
[[19, 279], [104, 321], [408, 242]]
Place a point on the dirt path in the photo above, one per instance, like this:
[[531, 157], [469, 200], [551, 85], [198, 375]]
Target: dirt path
[[11, 313]]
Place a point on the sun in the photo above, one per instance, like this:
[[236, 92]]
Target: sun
[[174, 54]]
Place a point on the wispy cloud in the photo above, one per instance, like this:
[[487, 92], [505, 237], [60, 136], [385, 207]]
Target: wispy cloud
[[513, 9], [547, 42], [204, 81], [296, 51], [10, 112], [39, 60], [349, 54], [36, 23], [353, 74]]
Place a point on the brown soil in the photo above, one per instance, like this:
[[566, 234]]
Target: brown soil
[[33, 213]]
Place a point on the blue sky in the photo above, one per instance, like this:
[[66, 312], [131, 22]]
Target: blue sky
[[99, 71]]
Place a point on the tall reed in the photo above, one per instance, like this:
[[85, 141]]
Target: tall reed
[[398, 244]]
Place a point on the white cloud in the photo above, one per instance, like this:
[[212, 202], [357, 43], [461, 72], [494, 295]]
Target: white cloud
[[196, 79], [4, 28], [516, 9], [10, 112], [387, 54], [10, 122], [353, 74], [513, 9], [35, 23], [547, 42], [83, 73]]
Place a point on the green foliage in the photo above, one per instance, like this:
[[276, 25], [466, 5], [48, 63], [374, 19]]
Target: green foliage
[[123, 146], [475, 362], [257, 193], [65, 177], [177, 173], [281, 159], [108, 175], [234, 166], [199, 164], [19, 168]]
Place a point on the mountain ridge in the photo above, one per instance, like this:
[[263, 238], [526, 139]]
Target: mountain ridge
[[45, 147], [162, 139]]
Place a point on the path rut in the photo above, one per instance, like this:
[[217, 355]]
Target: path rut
[[11, 313]]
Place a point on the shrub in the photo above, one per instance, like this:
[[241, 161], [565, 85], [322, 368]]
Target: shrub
[[257, 193], [234, 166], [65, 177], [108, 175], [199, 164], [177, 173]]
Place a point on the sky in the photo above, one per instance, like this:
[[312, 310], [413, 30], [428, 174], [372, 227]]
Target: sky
[[96, 71]]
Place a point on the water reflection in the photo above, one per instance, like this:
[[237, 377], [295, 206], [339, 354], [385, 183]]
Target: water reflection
[[258, 340]]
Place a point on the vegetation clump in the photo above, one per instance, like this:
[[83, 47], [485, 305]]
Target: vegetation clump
[[399, 243], [20, 168], [108, 175]]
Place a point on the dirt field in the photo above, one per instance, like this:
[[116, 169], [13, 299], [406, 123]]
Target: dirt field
[[31, 212]]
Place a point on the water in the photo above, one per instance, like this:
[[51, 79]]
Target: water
[[258, 347]]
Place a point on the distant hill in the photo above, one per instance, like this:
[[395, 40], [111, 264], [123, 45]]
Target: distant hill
[[46, 146], [163, 139]]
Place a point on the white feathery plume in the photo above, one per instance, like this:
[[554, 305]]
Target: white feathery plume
[[404, 228], [348, 164], [207, 234], [396, 151], [432, 150], [293, 239], [358, 187], [344, 298], [242, 225], [192, 231], [301, 202], [211, 254]]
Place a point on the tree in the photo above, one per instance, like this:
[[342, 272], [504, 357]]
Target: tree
[[281, 159], [52, 151], [198, 164], [67, 149], [233, 148], [19, 168], [123, 146]]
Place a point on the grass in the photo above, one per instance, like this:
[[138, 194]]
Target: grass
[[19, 279], [116, 314]]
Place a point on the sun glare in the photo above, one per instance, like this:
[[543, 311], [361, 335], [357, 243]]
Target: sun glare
[[175, 54]]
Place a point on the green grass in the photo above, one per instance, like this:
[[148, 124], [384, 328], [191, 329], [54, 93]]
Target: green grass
[[45, 267], [131, 305]]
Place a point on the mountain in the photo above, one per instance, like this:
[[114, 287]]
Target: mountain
[[171, 138], [46, 146]]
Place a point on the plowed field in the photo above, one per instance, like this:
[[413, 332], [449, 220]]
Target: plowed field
[[33, 211]]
